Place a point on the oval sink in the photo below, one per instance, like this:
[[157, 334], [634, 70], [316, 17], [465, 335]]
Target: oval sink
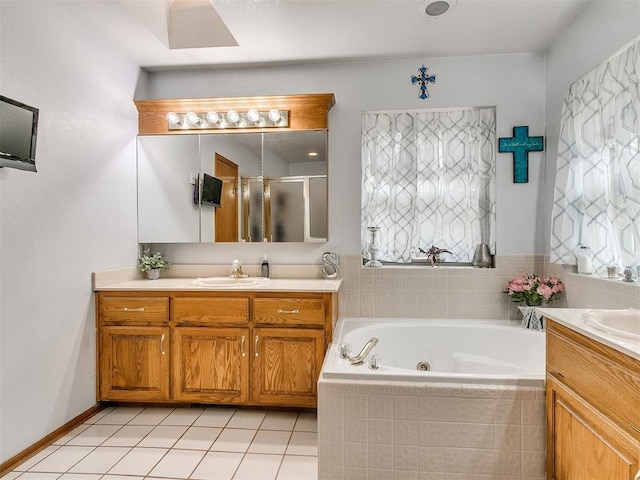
[[621, 323], [227, 282]]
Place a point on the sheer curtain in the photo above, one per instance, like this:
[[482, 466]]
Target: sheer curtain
[[428, 178], [597, 189]]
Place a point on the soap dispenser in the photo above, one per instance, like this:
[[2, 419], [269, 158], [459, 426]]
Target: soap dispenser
[[264, 268], [584, 260]]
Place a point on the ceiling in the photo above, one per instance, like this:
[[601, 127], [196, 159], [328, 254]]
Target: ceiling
[[260, 32]]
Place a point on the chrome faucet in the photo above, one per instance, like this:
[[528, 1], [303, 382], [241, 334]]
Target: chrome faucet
[[358, 359], [236, 270]]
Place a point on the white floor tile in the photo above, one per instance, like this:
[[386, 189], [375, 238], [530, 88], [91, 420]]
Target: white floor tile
[[250, 419], [233, 440], [270, 441], [297, 468], [258, 467], [128, 436], [303, 443], [120, 416], [163, 436], [11, 475], [80, 476], [279, 421], [62, 459], [26, 465], [100, 414], [215, 417], [151, 416], [69, 435], [39, 476], [121, 477], [139, 461], [94, 435], [177, 463], [198, 438], [307, 422], [218, 466], [100, 460], [182, 416]]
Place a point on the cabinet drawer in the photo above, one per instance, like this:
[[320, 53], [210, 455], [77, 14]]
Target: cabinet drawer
[[288, 311], [206, 311], [610, 387], [134, 310]]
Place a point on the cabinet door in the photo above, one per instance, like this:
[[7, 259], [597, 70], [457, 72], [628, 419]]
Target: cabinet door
[[583, 443], [286, 366], [134, 364], [211, 364]]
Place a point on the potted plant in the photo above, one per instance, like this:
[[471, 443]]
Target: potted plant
[[532, 291], [152, 263]]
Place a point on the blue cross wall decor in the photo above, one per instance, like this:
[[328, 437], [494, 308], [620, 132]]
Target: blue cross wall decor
[[423, 79], [520, 145]]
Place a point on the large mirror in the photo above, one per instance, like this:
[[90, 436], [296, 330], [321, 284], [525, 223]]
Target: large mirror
[[247, 187]]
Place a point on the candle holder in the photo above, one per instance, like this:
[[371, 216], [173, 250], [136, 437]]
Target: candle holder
[[374, 248]]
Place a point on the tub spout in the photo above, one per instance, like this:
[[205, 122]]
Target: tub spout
[[358, 359]]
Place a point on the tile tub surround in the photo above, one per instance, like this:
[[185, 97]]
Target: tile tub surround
[[406, 431], [433, 292]]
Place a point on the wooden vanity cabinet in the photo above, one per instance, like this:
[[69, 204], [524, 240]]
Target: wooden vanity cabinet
[[593, 409], [133, 346], [244, 348]]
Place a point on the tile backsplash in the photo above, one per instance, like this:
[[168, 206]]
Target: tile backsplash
[[466, 292]]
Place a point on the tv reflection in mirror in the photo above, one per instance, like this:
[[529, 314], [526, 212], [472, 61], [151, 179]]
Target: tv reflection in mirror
[[211, 190], [18, 132]]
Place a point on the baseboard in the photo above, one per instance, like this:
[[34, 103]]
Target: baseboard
[[29, 452]]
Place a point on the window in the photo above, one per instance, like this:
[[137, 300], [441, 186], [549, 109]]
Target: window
[[428, 178], [597, 189]]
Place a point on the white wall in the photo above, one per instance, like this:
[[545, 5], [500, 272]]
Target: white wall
[[513, 83], [605, 27], [74, 216]]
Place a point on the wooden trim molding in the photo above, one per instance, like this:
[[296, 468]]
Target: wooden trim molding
[[29, 452], [306, 112]]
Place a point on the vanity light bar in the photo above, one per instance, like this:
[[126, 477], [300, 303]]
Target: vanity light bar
[[232, 119]]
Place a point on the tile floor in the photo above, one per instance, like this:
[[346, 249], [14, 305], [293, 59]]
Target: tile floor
[[212, 443]]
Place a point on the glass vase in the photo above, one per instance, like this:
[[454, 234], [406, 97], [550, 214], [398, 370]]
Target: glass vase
[[374, 247]]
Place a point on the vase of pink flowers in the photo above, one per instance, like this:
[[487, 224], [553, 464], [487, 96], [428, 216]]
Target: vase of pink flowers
[[532, 291]]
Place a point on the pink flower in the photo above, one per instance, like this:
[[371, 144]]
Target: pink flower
[[546, 291]]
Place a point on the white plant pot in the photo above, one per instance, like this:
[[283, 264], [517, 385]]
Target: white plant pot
[[153, 274]]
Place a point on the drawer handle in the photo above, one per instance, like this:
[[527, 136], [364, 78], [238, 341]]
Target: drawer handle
[[255, 348], [242, 346], [556, 374], [289, 312], [138, 309], [162, 344], [637, 477]]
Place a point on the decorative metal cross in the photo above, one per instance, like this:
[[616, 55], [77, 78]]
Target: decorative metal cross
[[520, 145], [423, 79]]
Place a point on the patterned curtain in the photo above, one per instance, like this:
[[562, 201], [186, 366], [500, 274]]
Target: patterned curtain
[[428, 178], [597, 190]]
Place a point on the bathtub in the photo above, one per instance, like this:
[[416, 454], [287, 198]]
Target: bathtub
[[458, 351], [479, 411]]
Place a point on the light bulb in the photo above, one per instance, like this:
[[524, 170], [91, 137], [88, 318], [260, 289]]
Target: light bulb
[[232, 116], [213, 117], [274, 115], [253, 116], [193, 118], [173, 117]]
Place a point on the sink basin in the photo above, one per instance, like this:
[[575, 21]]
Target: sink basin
[[229, 282], [621, 323]]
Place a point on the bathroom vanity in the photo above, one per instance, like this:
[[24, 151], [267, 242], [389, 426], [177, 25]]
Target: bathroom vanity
[[593, 401], [176, 343]]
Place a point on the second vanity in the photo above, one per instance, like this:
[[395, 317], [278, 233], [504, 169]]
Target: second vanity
[[167, 341], [593, 400]]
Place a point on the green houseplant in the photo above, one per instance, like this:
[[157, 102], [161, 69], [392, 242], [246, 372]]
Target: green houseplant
[[152, 263]]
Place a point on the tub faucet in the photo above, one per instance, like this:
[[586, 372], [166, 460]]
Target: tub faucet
[[358, 359], [236, 270]]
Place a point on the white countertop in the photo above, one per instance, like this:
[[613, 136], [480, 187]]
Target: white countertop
[[571, 318], [184, 284]]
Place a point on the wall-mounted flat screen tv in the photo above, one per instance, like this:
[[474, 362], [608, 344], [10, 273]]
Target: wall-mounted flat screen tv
[[18, 132], [211, 190]]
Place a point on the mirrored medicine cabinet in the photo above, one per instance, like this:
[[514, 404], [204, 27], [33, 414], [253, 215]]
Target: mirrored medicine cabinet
[[272, 181]]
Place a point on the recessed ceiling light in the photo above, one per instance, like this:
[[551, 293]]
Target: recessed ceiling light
[[434, 9]]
